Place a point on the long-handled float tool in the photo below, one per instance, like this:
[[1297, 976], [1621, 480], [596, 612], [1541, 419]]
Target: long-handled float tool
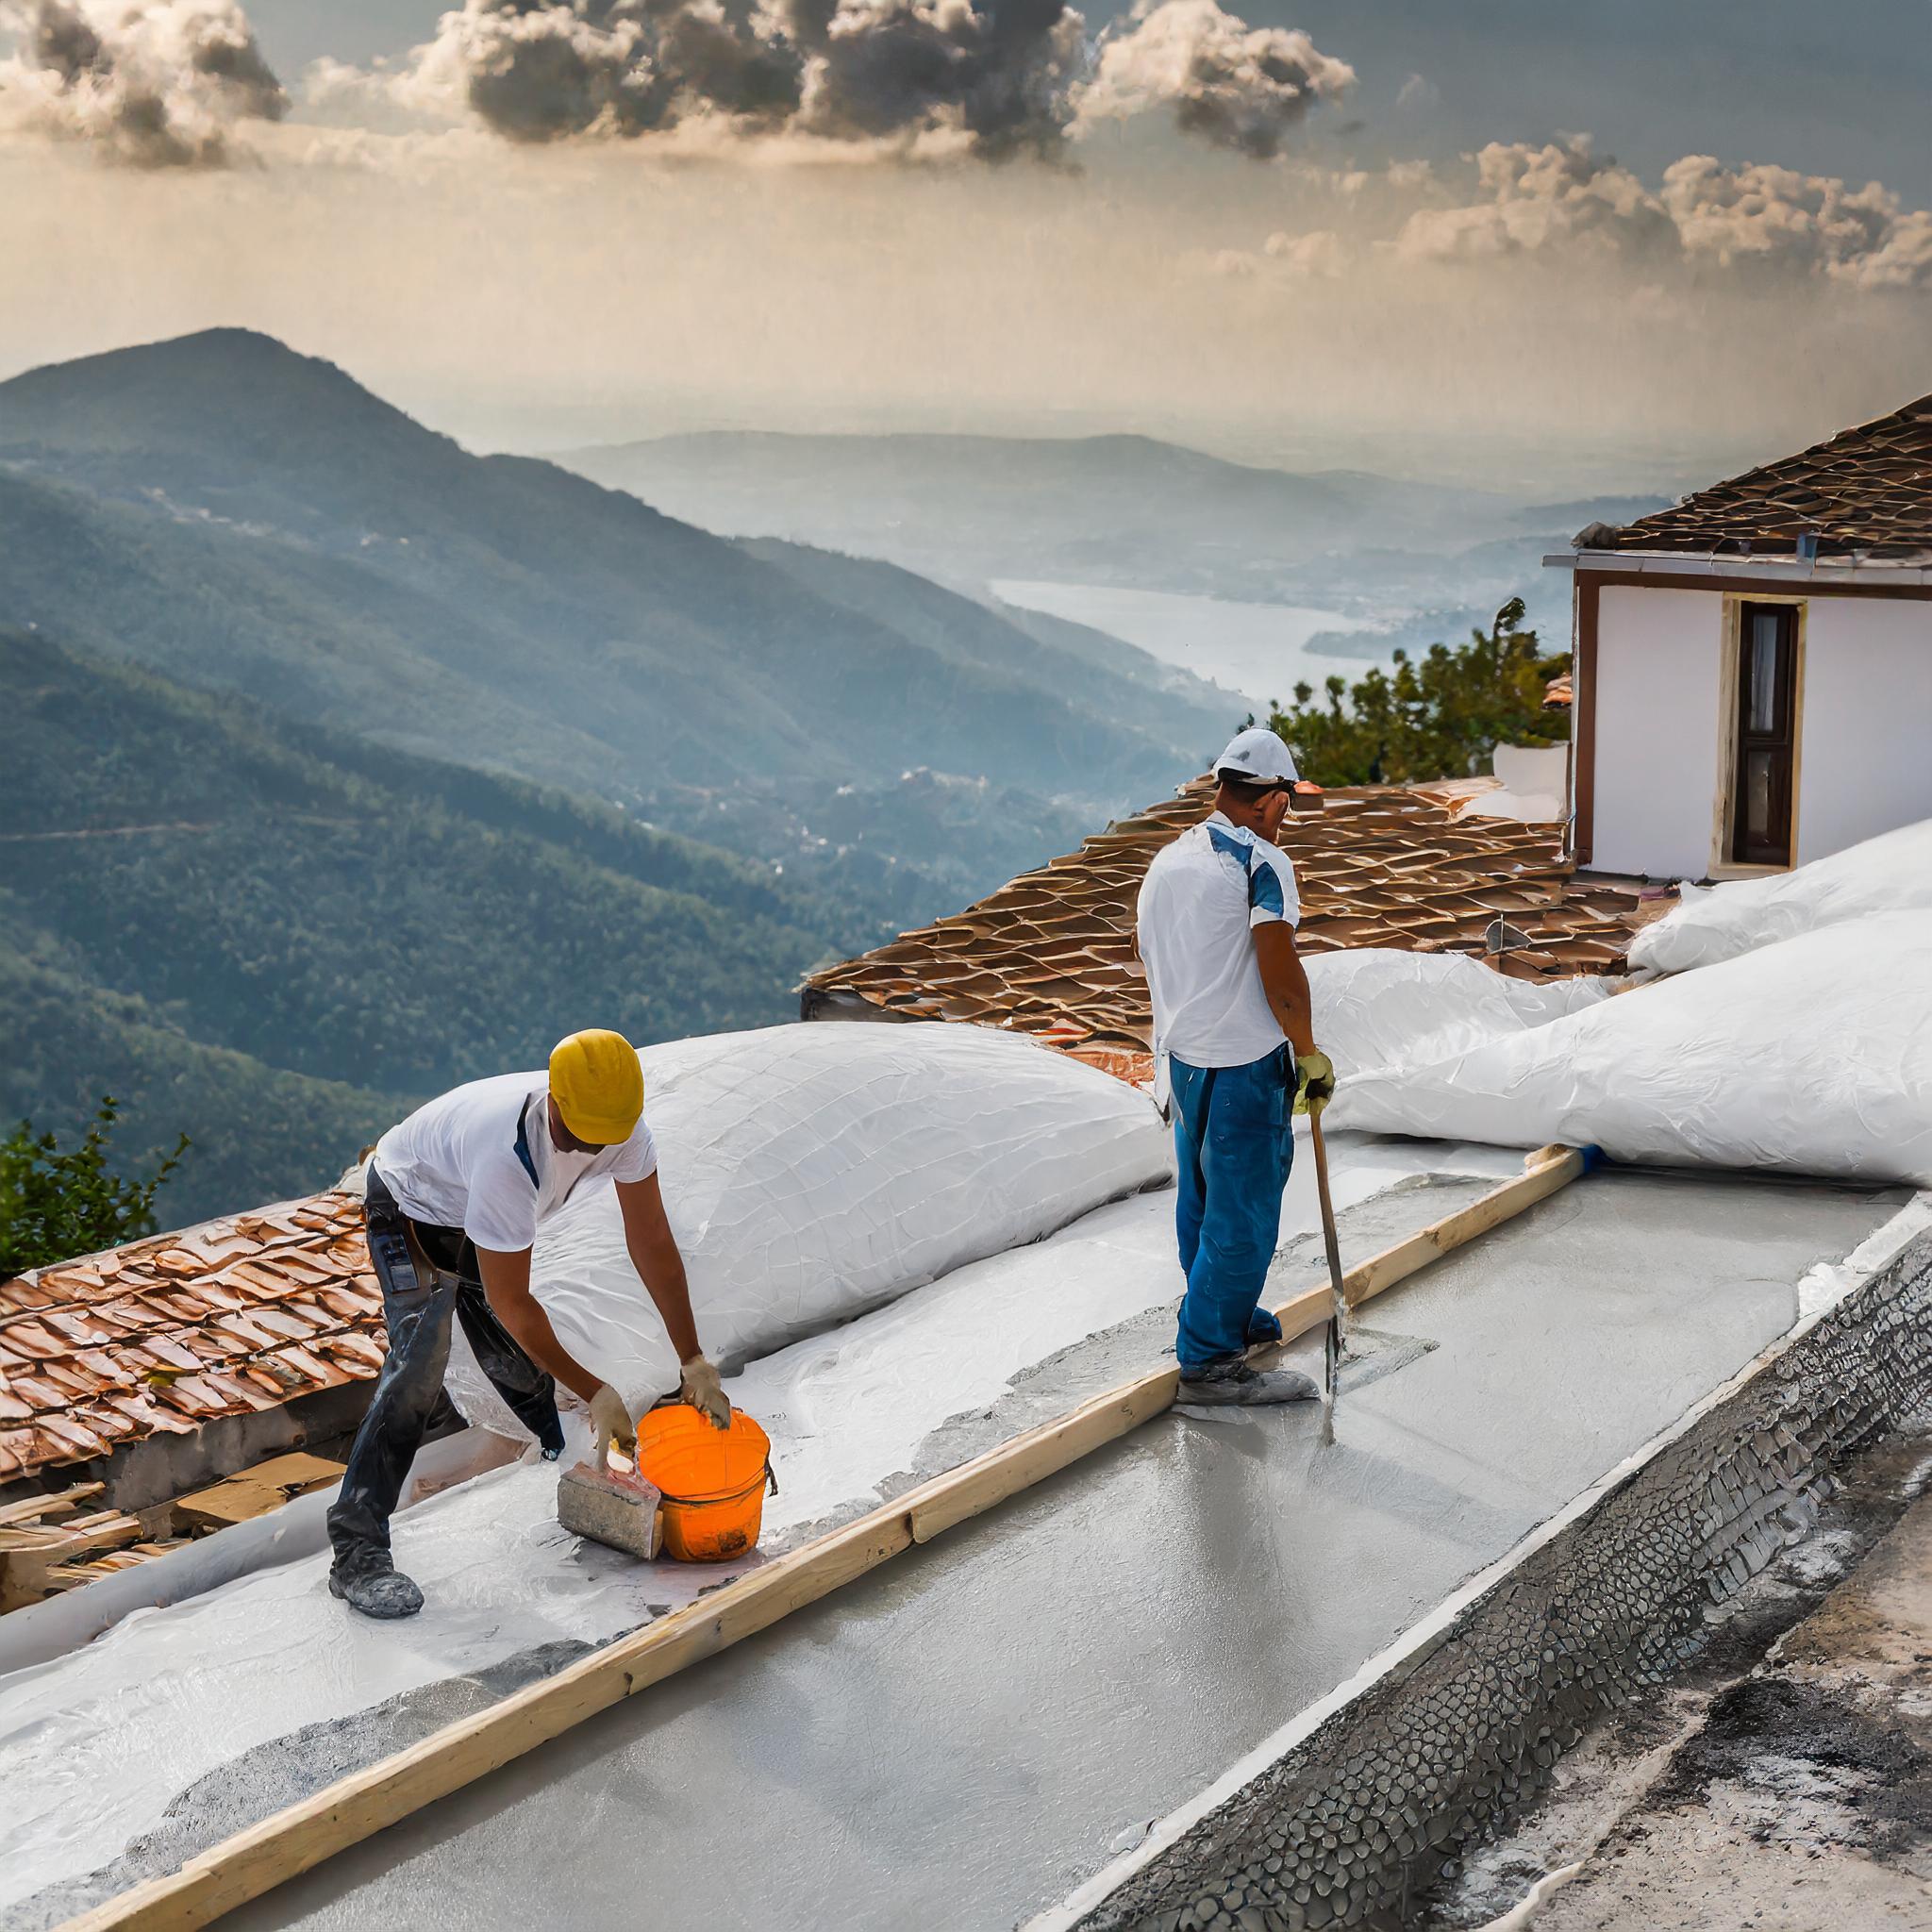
[[1351, 1357]]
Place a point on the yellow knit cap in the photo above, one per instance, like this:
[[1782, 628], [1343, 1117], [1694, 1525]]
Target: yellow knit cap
[[599, 1085]]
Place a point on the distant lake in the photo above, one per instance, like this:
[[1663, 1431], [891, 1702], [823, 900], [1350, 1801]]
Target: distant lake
[[1258, 650]]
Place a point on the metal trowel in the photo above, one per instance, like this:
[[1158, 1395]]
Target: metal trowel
[[1351, 1357]]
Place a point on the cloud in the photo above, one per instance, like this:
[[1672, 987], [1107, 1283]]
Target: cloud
[[1238, 87], [150, 83], [1561, 199], [994, 78], [1418, 92], [1812, 223], [1321, 253], [1532, 198]]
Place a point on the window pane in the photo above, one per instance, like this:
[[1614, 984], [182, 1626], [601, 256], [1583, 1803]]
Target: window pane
[[1761, 714], [1759, 769]]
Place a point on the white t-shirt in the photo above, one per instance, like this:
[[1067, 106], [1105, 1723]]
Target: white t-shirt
[[1201, 896], [480, 1158]]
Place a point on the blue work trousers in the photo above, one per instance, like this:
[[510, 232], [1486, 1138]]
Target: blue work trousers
[[1234, 1144]]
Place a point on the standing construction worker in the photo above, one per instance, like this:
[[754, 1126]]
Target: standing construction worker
[[1232, 1033], [453, 1201]]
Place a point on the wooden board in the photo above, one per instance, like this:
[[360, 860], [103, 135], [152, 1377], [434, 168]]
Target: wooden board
[[34, 1556], [255, 1861], [254, 1492], [57, 1503]]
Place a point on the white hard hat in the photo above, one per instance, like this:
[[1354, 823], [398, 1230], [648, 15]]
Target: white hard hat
[[1257, 757]]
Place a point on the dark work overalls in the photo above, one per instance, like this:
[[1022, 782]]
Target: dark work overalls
[[418, 1310]]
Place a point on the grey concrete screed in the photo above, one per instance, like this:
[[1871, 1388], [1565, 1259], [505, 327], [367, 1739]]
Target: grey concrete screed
[[1443, 1747], [957, 1741]]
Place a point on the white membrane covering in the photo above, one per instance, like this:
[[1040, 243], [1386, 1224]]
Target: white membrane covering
[[1712, 924], [1377, 1008], [813, 1173], [1812, 1056], [1534, 782], [97, 1744]]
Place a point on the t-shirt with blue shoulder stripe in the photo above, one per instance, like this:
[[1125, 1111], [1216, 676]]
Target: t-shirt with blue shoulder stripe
[[1202, 898], [482, 1158]]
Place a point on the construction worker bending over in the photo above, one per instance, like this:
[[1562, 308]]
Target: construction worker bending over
[[1231, 1026], [453, 1202]]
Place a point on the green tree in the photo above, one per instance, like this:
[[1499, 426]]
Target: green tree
[[1439, 717], [55, 1204]]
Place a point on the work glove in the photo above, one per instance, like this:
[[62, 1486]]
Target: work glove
[[1314, 1081], [699, 1387], [611, 1418]]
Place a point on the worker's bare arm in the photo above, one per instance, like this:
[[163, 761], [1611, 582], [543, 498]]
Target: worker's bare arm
[[507, 1288], [660, 1267], [1285, 983]]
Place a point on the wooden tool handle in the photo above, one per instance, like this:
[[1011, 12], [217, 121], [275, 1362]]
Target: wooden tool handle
[[1329, 1238]]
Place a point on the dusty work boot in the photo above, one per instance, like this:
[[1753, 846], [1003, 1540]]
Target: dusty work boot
[[1234, 1384], [377, 1590]]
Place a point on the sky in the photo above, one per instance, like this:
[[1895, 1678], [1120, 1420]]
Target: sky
[[1540, 246]]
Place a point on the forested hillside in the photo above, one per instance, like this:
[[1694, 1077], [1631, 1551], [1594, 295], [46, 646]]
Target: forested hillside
[[272, 940]]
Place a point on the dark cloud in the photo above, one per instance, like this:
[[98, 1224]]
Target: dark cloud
[[1006, 77], [153, 85], [1003, 71]]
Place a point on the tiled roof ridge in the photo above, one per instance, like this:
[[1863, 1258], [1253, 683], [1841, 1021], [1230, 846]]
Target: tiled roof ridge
[[146, 1245], [240, 1313], [1760, 505], [1051, 952]]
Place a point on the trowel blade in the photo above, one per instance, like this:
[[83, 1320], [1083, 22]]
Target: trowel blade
[[1373, 1353]]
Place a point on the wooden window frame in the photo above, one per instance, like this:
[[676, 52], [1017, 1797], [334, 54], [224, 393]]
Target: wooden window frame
[[1723, 864]]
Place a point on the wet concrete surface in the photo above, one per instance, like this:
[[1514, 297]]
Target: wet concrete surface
[[962, 1738]]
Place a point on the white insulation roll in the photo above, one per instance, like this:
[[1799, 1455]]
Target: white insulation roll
[[811, 1172]]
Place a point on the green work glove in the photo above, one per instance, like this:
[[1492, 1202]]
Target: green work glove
[[1314, 1081]]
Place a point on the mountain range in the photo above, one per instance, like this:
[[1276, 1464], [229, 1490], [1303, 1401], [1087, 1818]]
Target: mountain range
[[346, 764], [244, 518], [972, 510]]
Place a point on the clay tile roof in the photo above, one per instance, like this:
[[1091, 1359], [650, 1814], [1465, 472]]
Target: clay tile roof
[[1051, 952], [163, 1335], [1867, 490]]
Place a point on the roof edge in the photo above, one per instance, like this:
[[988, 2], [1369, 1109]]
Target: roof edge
[[1823, 572]]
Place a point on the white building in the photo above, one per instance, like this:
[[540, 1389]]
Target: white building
[[1753, 669]]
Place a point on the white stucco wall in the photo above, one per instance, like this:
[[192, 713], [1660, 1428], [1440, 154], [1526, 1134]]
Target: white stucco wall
[[1659, 655], [1865, 736], [1864, 762]]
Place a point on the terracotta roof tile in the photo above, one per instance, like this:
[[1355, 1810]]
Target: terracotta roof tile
[[165, 1334], [1051, 953], [1867, 490]]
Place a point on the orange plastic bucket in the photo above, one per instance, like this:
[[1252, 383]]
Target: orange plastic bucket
[[712, 1480]]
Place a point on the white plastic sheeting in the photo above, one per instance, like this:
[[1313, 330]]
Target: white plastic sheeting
[[1534, 781], [1379, 1007], [1814, 1056], [1712, 924], [813, 1173]]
